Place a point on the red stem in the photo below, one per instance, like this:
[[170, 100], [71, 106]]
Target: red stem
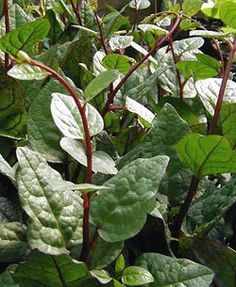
[[220, 99], [7, 28], [138, 64], [88, 145], [75, 8]]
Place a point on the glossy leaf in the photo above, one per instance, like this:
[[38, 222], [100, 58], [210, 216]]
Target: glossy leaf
[[191, 7], [171, 272], [26, 72], [54, 214], [228, 121], [228, 13], [207, 154], [68, 119], [98, 84], [119, 62], [24, 37], [120, 264], [208, 91], [101, 161], [46, 270], [120, 42], [101, 275], [136, 276], [139, 4], [135, 186], [13, 245]]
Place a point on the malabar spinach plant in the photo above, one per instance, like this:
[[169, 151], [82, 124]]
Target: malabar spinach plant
[[117, 143]]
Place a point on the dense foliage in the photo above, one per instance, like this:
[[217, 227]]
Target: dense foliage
[[117, 143]]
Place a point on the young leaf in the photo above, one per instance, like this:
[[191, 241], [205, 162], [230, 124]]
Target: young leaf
[[136, 276], [68, 119], [101, 275], [101, 161], [24, 37], [209, 89], [54, 214], [169, 271], [100, 83], [46, 270], [134, 186], [120, 264], [13, 245], [206, 155], [26, 72], [135, 107], [139, 4]]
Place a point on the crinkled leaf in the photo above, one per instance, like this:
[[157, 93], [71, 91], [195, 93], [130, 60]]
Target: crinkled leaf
[[206, 155], [120, 212], [54, 214], [98, 84], [209, 208], [50, 271], [13, 243], [136, 276], [208, 91], [68, 119], [9, 210], [101, 161], [215, 255], [24, 37], [173, 272], [26, 72]]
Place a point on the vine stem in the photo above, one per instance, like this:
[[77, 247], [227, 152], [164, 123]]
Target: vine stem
[[7, 27], [156, 46], [88, 146], [220, 99]]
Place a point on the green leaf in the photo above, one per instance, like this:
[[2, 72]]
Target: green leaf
[[206, 155], [228, 13], [101, 161], [120, 42], [39, 116], [191, 7], [135, 107], [134, 186], [7, 170], [118, 284], [6, 279], [100, 83], [208, 34], [12, 108], [207, 210], [136, 276], [228, 121], [209, 89], [101, 275], [26, 72], [13, 245], [119, 62], [172, 272], [24, 37], [215, 255], [120, 264], [68, 119], [47, 271], [139, 4], [104, 253], [54, 214]]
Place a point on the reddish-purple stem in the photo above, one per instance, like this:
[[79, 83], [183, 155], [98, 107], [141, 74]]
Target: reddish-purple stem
[[75, 8], [88, 145]]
